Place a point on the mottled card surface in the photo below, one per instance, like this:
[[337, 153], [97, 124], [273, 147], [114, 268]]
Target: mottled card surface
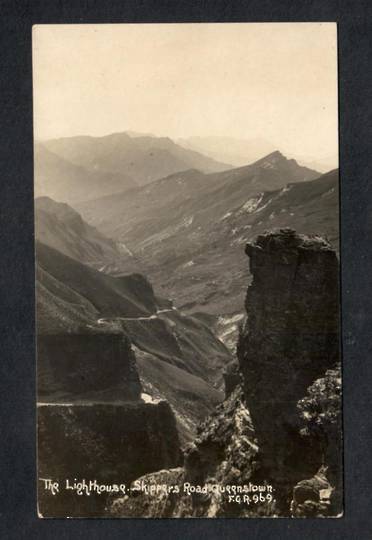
[[187, 266]]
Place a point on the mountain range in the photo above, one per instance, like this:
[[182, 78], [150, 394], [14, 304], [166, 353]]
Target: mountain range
[[147, 333], [62, 180], [74, 169], [239, 152], [188, 230], [99, 261]]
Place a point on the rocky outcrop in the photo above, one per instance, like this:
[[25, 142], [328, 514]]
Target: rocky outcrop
[[154, 499], [278, 434], [320, 413], [290, 339], [110, 443], [94, 429], [311, 497], [231, 377], [224, 453], [90, 366]]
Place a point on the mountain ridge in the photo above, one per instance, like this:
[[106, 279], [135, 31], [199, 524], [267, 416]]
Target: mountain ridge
[[238, 151], [189, 226], [143, 158], [58, 178], [61, 227]]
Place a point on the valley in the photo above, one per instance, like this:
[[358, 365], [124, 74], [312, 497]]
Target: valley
[[141, 294], [73, 298], [188, 231], [188, 338]]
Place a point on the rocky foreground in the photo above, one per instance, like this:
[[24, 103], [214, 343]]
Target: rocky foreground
[[94, 426], [273, 447]]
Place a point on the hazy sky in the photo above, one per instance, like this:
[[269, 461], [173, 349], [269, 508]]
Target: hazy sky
[[272, 81]]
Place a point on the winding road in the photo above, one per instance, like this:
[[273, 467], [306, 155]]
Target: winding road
[[107, 320]]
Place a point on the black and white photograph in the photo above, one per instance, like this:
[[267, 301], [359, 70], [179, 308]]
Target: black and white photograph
[[187, 218]]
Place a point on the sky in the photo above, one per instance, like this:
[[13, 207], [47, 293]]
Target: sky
[[272, 81]]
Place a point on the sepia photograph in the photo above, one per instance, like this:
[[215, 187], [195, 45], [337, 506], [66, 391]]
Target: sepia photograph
[[187, 218]]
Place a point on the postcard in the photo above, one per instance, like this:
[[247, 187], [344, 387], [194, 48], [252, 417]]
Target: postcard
[[187, 270]]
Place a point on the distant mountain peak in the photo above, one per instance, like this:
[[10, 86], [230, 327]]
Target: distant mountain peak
[[275, 155], [276, 160], [272, 158]]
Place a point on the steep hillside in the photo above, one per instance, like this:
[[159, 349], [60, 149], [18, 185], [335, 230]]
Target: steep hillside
[[57, 177], [102, 443], [59, 308], [99, 367], [180, 358], [110, 296], [189, 396], [143, 158], [187, 229], [59, 226], [164, 202], [309, 207]]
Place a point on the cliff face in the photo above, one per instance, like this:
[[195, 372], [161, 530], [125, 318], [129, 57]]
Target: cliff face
[[112, 443], [281, 430], [86, 366], [290, 339], [93, 425], [223, 453]]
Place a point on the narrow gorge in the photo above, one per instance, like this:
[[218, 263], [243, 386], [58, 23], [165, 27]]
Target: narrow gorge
[[280, 426]]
